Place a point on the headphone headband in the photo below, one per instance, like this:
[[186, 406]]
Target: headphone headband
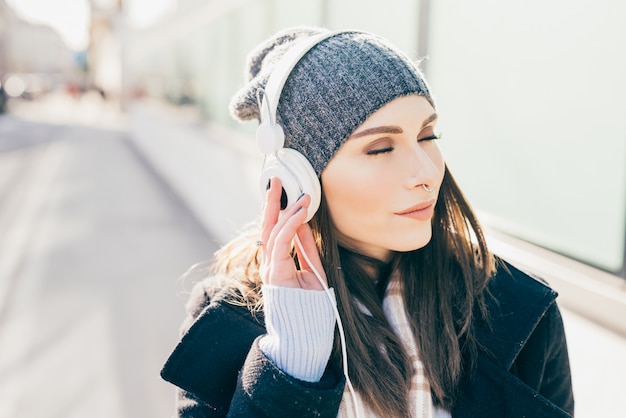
[[280, 73], [295, 171]]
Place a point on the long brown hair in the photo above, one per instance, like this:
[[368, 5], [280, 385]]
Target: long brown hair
[[444, 288]]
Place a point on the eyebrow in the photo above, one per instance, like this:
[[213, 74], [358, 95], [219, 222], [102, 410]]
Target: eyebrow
[[430, 119], [378, 130], [391, 129]]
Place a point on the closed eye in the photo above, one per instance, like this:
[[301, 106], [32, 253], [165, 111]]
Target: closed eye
[[379, 151], [429, 138]]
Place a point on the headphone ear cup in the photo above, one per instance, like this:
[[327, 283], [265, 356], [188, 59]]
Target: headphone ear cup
[[296, 175]]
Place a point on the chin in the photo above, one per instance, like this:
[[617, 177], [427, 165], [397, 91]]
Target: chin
[[413, 245]]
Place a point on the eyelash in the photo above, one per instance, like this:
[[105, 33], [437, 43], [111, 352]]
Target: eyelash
[[389, 149]]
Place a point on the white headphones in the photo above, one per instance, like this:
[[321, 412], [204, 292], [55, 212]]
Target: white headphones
[[294, 170]]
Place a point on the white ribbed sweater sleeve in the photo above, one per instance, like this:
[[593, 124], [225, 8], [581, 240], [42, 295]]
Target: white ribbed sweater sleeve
[[300, 330]]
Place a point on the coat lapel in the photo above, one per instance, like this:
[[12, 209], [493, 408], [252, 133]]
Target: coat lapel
[[518, 302], [517, 305]]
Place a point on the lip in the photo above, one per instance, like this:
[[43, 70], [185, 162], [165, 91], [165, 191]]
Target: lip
[[422, 211]]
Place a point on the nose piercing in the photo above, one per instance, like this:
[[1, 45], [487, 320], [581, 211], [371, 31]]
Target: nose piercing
[[428, 189]]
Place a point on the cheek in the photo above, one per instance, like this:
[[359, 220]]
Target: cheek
[[437, 163], [437, 160], [442, 168], [353, 195]]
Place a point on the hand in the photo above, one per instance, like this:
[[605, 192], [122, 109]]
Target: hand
[[278, 231]]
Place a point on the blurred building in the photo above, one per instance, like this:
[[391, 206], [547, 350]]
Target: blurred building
[[104, 54], [5, 15], [32, 54]]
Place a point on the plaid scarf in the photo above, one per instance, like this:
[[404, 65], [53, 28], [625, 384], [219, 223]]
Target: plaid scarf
[[420, 401]]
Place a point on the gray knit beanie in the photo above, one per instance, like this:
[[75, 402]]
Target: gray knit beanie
[[332, 90]]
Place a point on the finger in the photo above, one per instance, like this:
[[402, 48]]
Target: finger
[[283, 233], [281, 270], [271, 209], [310, 248]]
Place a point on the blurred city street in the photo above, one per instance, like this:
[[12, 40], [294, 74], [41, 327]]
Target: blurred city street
[[92, 245], [95, 235]]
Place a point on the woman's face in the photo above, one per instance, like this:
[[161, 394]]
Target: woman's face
[[374, 184]]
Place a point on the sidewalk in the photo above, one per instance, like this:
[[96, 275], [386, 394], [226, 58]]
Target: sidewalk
[[216, 171], [93, 246]]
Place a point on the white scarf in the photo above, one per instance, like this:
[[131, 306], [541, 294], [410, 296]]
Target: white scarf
[[420, 401]]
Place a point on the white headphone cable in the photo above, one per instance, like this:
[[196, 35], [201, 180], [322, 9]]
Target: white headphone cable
[[342, 337]]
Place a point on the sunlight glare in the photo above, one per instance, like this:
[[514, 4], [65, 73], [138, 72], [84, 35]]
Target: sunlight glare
[[68, 17], [142, 13]]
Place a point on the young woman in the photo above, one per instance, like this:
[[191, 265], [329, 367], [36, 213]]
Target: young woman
[[433, 324]]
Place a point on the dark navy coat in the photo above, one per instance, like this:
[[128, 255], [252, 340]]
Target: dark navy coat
[[523, 371]]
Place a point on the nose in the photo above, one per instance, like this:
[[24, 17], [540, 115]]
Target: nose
[[422, 169]]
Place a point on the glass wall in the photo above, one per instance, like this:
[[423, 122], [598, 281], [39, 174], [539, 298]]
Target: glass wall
[[533, 102], [531, 96]]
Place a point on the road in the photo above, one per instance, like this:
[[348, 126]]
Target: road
[[93, 246]]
